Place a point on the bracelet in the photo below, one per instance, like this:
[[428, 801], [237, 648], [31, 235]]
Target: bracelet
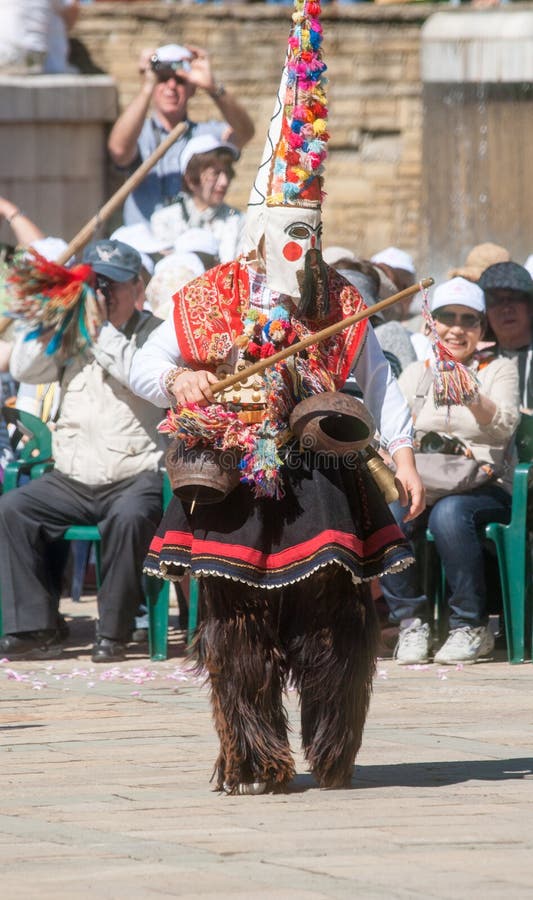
[[169, 379], [13, 215], [218, 91]]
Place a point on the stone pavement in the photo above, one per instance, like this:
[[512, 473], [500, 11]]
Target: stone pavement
[[105, 789]]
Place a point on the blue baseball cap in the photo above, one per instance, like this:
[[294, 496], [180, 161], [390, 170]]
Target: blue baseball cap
[[114, 260]]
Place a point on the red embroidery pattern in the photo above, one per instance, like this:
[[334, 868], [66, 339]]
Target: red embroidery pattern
[[209, 313]]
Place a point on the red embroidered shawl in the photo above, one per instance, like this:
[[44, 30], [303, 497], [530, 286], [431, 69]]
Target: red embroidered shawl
[[209, 314]]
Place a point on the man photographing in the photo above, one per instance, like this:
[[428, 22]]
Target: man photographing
[[170, 77]]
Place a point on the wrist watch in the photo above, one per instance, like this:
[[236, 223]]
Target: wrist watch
[[218, 90]]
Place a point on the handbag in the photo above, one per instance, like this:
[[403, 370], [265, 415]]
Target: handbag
[[450, 473]]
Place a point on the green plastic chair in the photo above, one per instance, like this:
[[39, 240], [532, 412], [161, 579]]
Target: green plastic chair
[[513, 551], [35, 458], [35, 454]]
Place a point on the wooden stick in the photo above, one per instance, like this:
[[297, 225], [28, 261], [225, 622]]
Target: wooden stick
[[293, 349], [85, 234]]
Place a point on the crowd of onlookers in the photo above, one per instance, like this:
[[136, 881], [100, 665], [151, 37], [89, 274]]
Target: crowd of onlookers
[[106, 449]]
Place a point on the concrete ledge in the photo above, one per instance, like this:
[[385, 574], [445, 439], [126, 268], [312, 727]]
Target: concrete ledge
[[58, 98], [480, 47]]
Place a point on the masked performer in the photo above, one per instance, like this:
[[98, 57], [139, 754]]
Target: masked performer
[[286, 557]]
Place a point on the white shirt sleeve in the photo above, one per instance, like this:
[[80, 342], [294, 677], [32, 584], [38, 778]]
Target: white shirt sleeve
[[386, 402], [383, 396], [152, 362]]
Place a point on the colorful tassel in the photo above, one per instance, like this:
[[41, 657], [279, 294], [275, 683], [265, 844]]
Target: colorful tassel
[[454, 384], [56, 300]]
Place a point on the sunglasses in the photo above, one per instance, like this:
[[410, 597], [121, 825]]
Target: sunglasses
[[163, 74], [464, 320]]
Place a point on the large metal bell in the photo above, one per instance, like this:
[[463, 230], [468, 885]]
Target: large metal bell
[[333, 422], [201, 474]]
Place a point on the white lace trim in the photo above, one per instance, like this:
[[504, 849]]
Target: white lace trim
[[203, 573]]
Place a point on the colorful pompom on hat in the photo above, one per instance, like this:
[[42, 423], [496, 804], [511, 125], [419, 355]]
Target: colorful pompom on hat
[[290, 172], [302, 144]]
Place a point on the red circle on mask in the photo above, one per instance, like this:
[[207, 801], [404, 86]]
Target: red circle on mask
[[292, 251]]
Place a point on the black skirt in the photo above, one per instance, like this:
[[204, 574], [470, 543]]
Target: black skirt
[[330, 514]]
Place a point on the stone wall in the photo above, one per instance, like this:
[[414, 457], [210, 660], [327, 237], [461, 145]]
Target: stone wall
[[373, 173], [53, 159]]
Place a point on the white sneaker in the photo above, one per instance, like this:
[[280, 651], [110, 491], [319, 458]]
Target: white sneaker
[[413, 644], [466, 645]]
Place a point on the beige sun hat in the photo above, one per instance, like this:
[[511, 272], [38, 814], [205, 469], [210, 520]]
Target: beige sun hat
[[480, 258]]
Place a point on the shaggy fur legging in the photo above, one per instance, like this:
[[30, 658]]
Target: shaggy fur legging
[[321, 633]]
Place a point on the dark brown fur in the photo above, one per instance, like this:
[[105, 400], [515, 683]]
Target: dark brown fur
[[323, 633]]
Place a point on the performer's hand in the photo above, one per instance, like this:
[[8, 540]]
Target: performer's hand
[[194, 387], [410, 486]]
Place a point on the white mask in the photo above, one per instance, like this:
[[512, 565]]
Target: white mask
[[290, 232]]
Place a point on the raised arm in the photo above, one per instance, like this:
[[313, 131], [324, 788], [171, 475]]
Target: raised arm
[[23, 228], [122, 142]]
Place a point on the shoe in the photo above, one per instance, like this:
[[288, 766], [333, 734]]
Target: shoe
[[466, 645], [413, 644], [63, 627], [139, 636], [258, 787], [107, 650], [45, 644]]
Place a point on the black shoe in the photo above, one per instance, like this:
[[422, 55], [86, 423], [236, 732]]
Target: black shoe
[[46, 644], [63, 627], [139, 636], [107, 650]]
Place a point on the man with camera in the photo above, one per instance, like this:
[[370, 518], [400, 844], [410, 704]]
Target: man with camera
[[171, 75], [107, 472]]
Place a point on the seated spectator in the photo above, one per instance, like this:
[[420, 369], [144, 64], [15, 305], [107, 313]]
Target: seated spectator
[[107, 458], [207, 173], [486, 426], [508, 289], [171, 75], [24, 36], [400, 268], [63, 16], [480, 258], [392, 337], [141, 237]]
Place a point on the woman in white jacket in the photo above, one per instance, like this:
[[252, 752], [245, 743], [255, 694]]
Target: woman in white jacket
[[486, 426]]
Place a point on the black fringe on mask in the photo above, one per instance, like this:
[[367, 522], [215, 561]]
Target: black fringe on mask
[[321, 632], [314, 291]]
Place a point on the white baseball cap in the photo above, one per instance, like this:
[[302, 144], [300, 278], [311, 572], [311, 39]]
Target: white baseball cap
[[333, 255], [50, 247], [458, 291], [197, 240], [204, 143], [170, 53], [529, 264], [395, 258]]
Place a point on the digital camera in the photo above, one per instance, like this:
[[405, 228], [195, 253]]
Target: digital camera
[[169, 67], [433, 442]]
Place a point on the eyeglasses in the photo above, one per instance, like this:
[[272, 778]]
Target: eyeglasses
[[464, 320], [213, 174]]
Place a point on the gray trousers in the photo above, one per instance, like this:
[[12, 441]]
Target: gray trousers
[[31, 517]]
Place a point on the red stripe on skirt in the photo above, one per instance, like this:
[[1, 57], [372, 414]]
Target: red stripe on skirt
[[284, 557]]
